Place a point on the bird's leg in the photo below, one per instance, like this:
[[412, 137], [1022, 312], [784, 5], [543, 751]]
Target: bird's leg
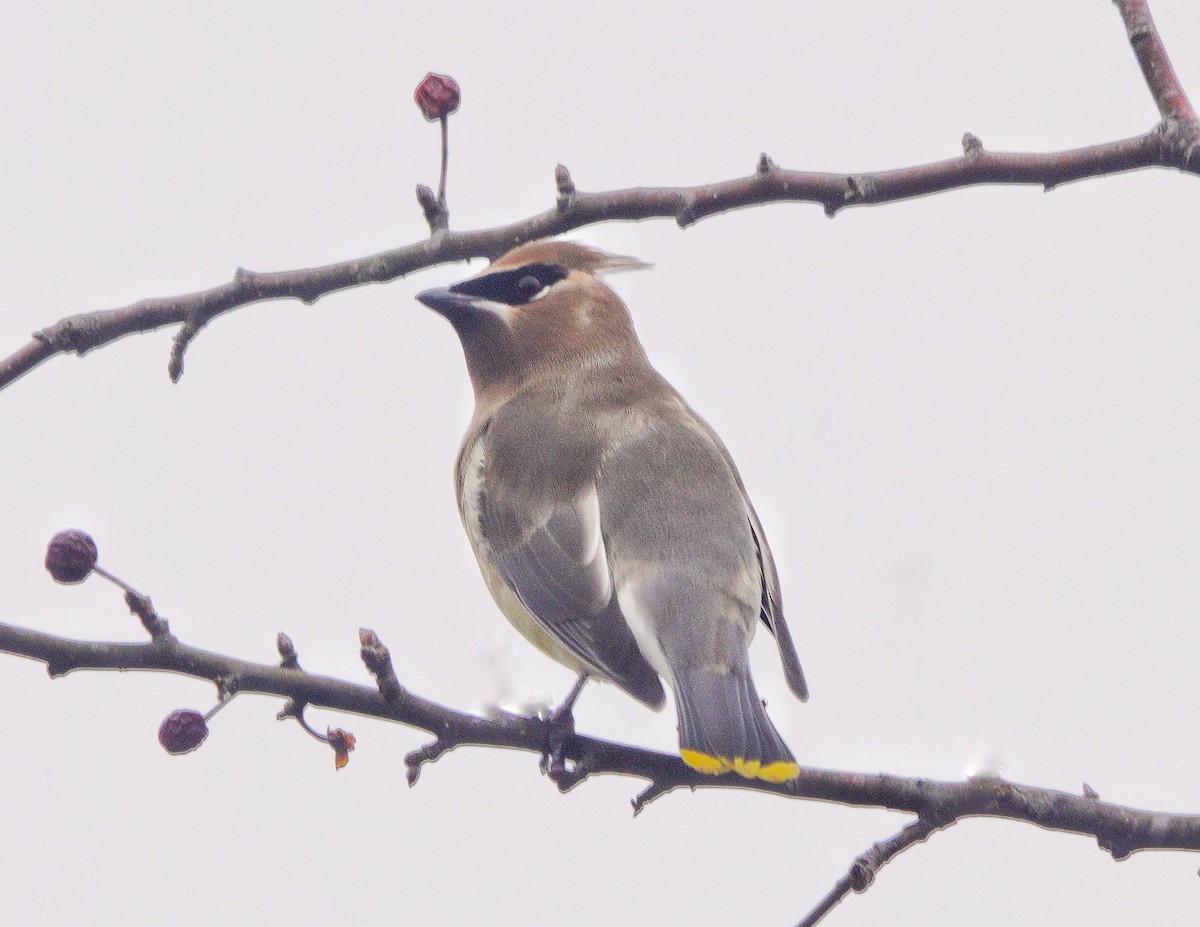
[[563, 711], [561, 722]]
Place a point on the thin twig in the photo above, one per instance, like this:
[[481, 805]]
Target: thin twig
[[1168, 92], [294, 709], [140, 605], [864, 869], [647, 795]]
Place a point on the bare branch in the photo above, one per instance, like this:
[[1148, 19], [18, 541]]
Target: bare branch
[[1175, 142], [1117, 829], [864, 869], [1168, 93], [686, 205]]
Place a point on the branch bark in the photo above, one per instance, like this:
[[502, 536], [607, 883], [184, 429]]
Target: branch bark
[[1118, 830], [1169, 95], [1174, 143]]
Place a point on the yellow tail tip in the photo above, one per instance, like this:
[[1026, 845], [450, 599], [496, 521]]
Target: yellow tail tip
[[779, 771]]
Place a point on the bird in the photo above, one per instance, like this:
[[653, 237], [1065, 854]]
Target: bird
[[608, 519]]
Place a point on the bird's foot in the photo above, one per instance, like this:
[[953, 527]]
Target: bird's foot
[[560, 723]]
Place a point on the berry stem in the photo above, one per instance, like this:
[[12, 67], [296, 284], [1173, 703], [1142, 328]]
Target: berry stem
[[217, 707], [445, 121], [112, 579]]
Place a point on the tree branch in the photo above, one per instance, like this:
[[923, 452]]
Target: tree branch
[[1168, 93], [1175, 143], [1118, 830], [864, 868]]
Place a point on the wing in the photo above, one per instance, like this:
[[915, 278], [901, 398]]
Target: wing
[[559, 571], [772, 609]]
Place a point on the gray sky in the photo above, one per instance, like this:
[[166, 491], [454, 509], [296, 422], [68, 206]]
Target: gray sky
[[968, 423]]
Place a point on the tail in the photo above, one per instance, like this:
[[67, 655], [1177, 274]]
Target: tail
[[723, 727]]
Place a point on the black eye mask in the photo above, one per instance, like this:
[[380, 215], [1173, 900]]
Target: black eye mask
[[512, 287]]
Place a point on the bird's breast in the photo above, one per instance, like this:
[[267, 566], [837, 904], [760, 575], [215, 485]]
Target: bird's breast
[[469, 485]]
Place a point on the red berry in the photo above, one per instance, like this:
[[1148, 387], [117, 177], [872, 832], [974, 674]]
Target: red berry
[[182, 731], [438, 96], [70, 556]]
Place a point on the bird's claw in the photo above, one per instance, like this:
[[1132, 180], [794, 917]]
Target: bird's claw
[[560, 724]]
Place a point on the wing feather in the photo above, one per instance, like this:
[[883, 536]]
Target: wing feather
[[559, 570], [772, 610]]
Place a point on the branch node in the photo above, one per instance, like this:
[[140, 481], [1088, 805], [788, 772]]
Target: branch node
[[1117, 846], [862, 875], [435, 212], [565, 187], [685, 215], [183, 338], [141, 606], [227, 687], [288, 658], [75, 334], [860, 188], [292, 708], [1181, 144], [56, 668], [378, 660], [429, 753], [1190, 135], [648, 794]]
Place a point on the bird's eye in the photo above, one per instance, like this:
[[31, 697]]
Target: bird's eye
[[528, 287], [513, 287]]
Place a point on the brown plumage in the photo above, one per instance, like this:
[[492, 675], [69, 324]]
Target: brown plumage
[[609, 520]]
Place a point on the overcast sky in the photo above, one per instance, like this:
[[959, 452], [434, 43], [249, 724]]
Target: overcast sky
[[968, 423]]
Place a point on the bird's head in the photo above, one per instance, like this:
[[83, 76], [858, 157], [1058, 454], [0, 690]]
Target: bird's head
[[539, 308]]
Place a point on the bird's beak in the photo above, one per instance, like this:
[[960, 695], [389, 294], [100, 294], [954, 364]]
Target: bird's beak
[[447, 303]]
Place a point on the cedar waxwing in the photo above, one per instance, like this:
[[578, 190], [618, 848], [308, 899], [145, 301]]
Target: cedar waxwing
[[609, 521]]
